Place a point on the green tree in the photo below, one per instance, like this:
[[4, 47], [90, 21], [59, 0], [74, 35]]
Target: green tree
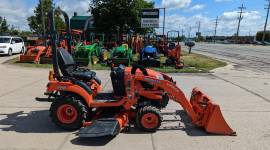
[[118, 16], [259, 36], [4, 26], [35, 22]]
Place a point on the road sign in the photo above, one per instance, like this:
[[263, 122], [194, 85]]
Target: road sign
[[150, 18]]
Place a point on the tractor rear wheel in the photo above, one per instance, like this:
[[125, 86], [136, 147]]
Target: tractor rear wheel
[[68, 113], [148, 119]]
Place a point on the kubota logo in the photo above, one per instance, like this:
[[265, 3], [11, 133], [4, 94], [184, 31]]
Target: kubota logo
[[61, 87], [152, 81]]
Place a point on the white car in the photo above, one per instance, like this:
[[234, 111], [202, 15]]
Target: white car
[[11, 45]]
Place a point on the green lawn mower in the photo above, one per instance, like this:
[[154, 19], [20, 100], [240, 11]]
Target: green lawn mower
[[121, 55]]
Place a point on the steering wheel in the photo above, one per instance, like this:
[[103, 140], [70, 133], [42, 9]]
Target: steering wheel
[[135, 67]]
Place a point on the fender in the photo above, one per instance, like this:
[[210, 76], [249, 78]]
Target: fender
[[69, 87]]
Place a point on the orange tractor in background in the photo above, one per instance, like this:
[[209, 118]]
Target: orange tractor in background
[[40, 52], [138, 96], [36, 49], [174, 51], [171, 48]]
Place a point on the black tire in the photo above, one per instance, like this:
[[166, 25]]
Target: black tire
[[10, 52], [148, 110], [81, 110]]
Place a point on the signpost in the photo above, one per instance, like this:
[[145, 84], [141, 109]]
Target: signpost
[[150, 18]]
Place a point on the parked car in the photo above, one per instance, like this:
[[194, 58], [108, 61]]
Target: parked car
[[10, 45]]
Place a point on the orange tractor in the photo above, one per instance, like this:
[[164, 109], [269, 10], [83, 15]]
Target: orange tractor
[[34, 51], [173, 51], [138, 96]]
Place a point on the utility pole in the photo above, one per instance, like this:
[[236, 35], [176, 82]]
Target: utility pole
[[42, 17], [216, 25], [182, 32], [266, 20], [199, 26], [164, 17], [189, 32], [240, 18]]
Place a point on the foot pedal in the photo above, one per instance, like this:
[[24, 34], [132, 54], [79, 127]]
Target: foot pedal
[[101, 127]]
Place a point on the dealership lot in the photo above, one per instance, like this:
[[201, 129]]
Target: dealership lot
[[242, 93]]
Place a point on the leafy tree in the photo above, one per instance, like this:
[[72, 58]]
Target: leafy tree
[[118, 16], [259, 36], [35, 22], [13, 31], [4, 26]]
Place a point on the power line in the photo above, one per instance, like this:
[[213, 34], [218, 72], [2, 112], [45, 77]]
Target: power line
[[240, 18], [266, 20]]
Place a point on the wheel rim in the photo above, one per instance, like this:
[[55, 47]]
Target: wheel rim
[[67, 113], [149, 121]]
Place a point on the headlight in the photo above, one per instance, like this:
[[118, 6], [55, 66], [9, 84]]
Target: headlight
[[3, 46]]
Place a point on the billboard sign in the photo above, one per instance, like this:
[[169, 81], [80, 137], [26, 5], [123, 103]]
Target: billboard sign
[[150, 18]]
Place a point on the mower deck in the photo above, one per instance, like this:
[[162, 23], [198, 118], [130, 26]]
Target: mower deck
[[100, 127]]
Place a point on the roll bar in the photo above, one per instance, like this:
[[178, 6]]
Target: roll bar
[[53, 34], [174, 31]]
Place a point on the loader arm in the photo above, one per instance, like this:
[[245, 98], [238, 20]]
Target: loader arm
[[200, 108]]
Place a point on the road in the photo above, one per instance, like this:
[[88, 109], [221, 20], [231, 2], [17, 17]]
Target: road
[[252, 57], [25, 123]]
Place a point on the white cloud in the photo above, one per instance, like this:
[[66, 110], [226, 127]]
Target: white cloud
[[196, 7], [223, 0], [16, 13], [252, 21], [71, 6], [175, 3]]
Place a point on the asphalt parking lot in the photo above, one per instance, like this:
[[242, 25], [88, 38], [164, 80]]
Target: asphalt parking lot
[[242, 93]]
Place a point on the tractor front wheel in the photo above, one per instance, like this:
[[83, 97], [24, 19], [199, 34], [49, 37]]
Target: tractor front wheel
[[68, 113], [148, 119]]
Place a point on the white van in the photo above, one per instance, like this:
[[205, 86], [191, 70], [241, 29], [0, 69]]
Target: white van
[[10, 45]]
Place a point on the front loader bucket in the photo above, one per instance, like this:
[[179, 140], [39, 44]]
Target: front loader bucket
[[209, 114], [28, 59]]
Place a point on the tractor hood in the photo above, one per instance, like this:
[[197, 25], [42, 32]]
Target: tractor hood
[[88, 47], [150, 49], [151, 73], [120, 49]]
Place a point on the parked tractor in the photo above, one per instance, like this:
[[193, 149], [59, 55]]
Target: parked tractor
[[91, 54], [173, 51], [37, 48], [138, 96], [121, 54]]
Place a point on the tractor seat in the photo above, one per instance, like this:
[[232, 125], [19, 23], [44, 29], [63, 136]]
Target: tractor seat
[[84, 75], [69, 68], [171, 45]]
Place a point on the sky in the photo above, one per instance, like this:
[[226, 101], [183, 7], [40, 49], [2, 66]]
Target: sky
[[180, 14]]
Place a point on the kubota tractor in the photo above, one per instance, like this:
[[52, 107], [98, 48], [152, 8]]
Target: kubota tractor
[[78, 104], [34, 51], [173, 51]]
